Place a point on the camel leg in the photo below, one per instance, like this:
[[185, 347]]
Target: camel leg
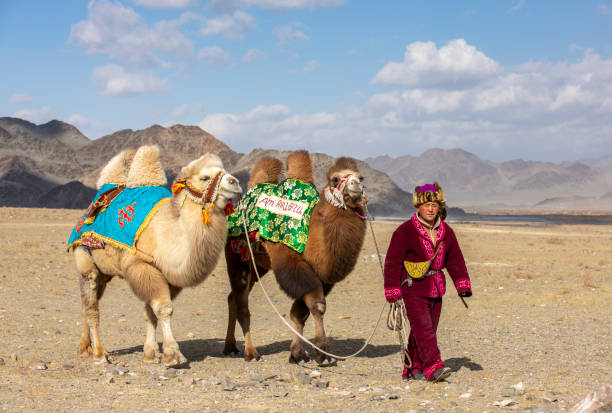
[[244, 318], [149, 285], [151, 348], [92, 287], [315, 301], [299, 315]]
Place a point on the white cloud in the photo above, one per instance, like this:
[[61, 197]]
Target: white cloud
[[540, 110], [119, 32], [36, 115], [116, 81], [164, 4], [456, 65], [311, 65], [214, 56], [233, 27], [518, 6], [253, 55], [605, 9], [19, 98], [292, 31], [225, 5]]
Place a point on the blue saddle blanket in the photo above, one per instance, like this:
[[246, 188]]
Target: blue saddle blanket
[[122, 221]]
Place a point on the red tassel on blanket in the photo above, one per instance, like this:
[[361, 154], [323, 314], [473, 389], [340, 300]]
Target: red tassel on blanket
[[229, 208]]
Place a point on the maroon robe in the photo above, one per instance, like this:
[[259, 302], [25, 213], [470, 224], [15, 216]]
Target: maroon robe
[[423, 300]]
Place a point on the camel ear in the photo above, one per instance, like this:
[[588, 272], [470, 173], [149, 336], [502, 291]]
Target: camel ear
[[146, 168], [207, 160], [116, 169], [299, 166]]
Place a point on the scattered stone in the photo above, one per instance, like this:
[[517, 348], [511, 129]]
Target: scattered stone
[[550, 397], [113, 370], [519, 388], [171, 373], [598, 399], [1, 362], [190, 335], [14, 357], [132, 373], [67, 366], [322, 384], [228, 385], [504, 403], [257, 379], [304, 378], [110, 380], [315, 374], [392, 396], [36, 364], [465, 396], [364, 389], [281, 394], [538, 408], [272, 377]]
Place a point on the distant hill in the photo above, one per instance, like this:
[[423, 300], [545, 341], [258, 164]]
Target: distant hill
[[53, 165], [473, 183]]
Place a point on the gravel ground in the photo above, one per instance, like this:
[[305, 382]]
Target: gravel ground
[[540, 316]]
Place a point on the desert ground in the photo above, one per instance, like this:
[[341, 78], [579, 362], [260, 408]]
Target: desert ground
[[539, 319]]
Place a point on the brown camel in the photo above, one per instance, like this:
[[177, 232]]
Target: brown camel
[[336, 234], [178, 248]]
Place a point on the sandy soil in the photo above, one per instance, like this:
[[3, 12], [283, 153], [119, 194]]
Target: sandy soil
[[540, 315]]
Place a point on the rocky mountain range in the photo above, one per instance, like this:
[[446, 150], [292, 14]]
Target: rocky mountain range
[[473, 183], [54, 165]]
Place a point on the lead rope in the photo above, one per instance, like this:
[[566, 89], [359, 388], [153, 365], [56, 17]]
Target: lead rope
[[304, 339], [396, 318]]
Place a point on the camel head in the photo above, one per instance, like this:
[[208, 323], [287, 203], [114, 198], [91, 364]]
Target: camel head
[[344, 188], [207, 182]]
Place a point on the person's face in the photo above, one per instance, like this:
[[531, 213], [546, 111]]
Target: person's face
[[428, 211]]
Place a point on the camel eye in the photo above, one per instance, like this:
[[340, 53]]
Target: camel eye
[[361, 178], [335, 181], [205, 178]]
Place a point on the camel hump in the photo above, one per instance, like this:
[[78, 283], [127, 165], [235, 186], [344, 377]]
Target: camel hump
[[342, 164], [299, 166], [266, 170], [116, 170], [146, 168]]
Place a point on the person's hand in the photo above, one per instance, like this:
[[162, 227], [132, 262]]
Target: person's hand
[[393, 294], [465, 293]]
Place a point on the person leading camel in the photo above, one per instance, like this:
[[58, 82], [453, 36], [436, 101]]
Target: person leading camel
[[424, 237]]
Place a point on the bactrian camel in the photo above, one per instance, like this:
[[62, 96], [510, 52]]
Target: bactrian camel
[[335, 238], [178, 248]]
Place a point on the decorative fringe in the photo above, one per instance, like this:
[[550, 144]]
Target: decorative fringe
[[205, 215], [178, 186], [229, 208]]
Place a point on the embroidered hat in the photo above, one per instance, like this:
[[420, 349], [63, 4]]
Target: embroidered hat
[[428, 193]]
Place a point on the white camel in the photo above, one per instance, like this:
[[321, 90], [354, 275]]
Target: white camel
[[178, 248]]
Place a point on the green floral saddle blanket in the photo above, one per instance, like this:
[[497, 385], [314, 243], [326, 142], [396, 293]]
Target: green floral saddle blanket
[[279, 213]]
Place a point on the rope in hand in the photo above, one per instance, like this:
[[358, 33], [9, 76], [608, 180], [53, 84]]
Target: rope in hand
[[304, 339], [396, 318]]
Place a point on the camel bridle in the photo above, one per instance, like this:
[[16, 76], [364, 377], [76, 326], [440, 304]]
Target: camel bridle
[[335, 194]]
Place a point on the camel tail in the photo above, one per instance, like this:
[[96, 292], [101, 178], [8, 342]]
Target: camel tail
[[299, 166], [116, 170], [146, 168], [266, 170]]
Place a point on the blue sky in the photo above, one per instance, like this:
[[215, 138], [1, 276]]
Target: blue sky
[[503, 79]]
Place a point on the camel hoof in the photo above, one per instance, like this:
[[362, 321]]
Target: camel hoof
[[102, 360], [230, 349], [154, 359], [296, 357], [85, 351], [251, 353], [174, 359]]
